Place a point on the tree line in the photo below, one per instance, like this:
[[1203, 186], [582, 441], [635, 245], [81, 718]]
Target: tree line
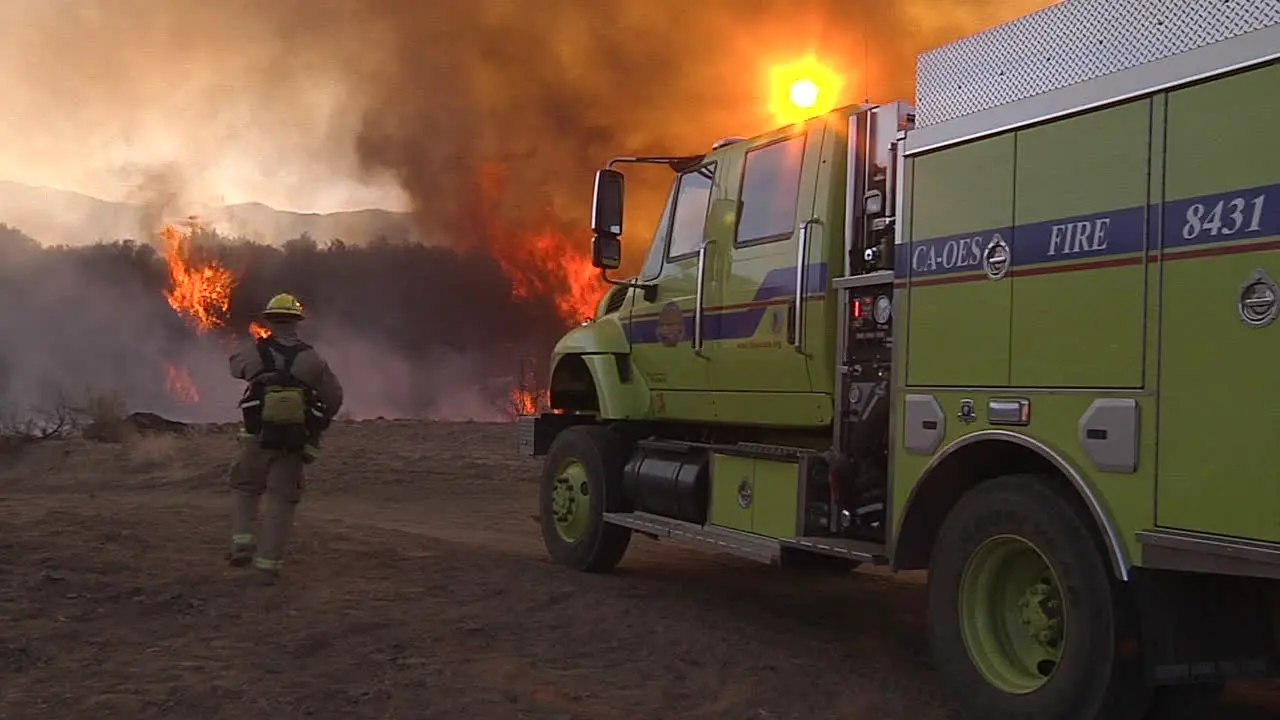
[[415, 301]]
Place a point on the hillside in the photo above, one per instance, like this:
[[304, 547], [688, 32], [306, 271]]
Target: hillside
[[56, 217]]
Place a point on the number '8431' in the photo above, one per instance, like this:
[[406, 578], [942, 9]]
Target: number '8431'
[[1225, 217]]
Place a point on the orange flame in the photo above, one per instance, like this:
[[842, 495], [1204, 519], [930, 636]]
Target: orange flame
[[179, 386], [541, 263], [201, 292], [524, 402], [258, 332], [548, 264]]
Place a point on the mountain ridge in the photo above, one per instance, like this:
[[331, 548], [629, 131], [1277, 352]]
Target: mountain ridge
[[55, 216]]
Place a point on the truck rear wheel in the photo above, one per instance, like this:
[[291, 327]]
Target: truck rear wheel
[[1025, 618], [581, 480]]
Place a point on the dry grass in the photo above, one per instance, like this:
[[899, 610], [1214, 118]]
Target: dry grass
[[149, 452], [415, 587]]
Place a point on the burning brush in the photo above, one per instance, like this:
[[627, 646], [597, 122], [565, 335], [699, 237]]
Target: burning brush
[[200, 292]]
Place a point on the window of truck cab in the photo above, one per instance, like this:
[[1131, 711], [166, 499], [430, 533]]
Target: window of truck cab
[[684, 220], [770, 191]]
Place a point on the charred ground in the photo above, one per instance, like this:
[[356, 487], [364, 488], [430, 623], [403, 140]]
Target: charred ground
[[416, 587]]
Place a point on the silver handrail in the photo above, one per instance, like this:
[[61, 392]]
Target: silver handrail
[[697, 299], [802, 258]]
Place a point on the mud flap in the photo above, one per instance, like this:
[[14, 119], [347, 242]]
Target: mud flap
[[1199, 628]]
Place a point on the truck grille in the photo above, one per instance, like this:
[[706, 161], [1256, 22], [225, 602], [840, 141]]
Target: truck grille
[[616, 298]]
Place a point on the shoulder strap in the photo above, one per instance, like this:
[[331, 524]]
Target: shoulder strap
[[290, 353], [264, 354]]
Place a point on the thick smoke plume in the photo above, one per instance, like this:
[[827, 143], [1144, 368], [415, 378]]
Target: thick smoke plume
[[276, 96], [301, 103]]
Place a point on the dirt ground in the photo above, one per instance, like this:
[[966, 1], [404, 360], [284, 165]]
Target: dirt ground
[[416, 587]]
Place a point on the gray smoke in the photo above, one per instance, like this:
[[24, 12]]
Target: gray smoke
[[308, 103]]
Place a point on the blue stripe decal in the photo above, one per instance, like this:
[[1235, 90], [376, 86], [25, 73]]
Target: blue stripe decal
[[1205, 220], [781, 282], [951, 254], [901, 256], [1153, 227], [738, 323], [1240, 215], [1084, 237]]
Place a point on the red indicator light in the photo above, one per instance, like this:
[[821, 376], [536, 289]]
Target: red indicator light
[[856, 310]]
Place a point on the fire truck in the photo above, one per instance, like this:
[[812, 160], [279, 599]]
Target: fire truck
[[1020, 334]]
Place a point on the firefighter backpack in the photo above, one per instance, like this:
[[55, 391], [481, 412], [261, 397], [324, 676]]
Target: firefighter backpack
[[277, 405]]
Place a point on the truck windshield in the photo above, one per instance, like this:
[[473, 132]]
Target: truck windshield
[[658, 246]]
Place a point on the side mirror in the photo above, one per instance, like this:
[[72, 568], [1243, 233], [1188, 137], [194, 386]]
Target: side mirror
[[606, 203], [606, 251]]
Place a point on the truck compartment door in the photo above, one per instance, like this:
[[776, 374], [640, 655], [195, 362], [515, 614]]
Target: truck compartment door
[[1079, 250], [755, 495], [958, 257], [1218, 465]]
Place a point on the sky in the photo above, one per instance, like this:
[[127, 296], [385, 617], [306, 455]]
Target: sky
[[93, 100], [323, 105]]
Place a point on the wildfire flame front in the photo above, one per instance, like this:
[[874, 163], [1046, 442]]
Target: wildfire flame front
[[199, 292], [202, 293]]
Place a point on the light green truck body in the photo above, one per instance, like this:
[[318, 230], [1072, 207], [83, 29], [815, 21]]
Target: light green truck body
[[1078, 260]]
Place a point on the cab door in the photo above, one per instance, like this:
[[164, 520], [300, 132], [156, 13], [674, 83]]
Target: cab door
[[661, 326], [774, 267]]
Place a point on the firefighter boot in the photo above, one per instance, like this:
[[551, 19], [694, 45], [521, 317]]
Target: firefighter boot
[[267, 571], [244, 513], [277, 518]]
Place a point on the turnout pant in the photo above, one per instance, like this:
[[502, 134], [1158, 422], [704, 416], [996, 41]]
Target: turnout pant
[[278, 475]]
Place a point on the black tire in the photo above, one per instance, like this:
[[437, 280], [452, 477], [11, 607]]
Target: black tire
[[603, 455], [1093, 679]]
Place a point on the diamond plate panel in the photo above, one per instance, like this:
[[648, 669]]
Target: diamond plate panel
[[1070, 42]]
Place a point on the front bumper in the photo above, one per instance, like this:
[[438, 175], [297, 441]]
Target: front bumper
[[535, 433]]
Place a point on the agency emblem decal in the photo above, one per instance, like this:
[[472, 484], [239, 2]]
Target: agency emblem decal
[[997, 258], [670, 325]]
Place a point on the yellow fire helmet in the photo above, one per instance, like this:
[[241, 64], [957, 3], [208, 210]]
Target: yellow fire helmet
[[283, 305]]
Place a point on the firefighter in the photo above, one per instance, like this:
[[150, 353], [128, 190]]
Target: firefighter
[[291, 397]]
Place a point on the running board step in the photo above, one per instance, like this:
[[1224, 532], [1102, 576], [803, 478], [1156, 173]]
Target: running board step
[[860, 550], [748, 545], [733, 542], [1184, 550]]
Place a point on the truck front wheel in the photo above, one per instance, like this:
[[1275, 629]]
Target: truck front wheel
[[1025, 618], [581, 480]]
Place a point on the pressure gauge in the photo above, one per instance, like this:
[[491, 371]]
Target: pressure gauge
[[883, 309]]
